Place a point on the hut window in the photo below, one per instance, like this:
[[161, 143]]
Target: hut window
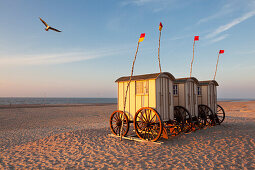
[[199, 91], [175, 89], [142, 87]]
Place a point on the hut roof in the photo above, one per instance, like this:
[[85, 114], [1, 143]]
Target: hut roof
[[208, 82], [146, 77], [183, 80]]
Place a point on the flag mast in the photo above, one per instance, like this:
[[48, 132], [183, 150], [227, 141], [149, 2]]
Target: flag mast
[[132, 70], [196, 38], [160, 28], [220, 52]]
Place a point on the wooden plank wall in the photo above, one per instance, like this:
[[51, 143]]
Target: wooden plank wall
[[171, 102], [181, 97], [134, 102], [164, 98], [160, 97], [195, 100], [152, 93], [204, 95]]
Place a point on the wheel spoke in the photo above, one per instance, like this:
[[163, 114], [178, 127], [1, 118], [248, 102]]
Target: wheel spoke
[[143, 116], [153, 117], [146, 115], [140, 118], [149, 115]]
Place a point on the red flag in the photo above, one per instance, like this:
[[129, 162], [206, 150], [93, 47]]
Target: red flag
[[196, 38], [221, 51], [160, 26], [142, 37]]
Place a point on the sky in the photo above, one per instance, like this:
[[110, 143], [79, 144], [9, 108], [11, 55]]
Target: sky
[[99, 38]]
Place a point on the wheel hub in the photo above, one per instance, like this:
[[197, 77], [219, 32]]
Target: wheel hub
[[148, 124], [118, 123]]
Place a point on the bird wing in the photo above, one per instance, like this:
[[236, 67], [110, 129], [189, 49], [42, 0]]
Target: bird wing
[[54, 29], [44, 22]]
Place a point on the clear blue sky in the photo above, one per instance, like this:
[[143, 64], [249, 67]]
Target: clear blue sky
[[99, 40]]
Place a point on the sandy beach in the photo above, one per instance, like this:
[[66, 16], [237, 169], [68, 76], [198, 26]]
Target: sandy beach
[[77, 137]]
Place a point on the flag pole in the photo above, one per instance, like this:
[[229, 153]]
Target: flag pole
[[122, 123], [192, 59], [216, 66], [159, 51]]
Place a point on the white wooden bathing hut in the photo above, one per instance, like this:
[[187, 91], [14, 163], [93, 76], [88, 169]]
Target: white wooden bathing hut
[[207, 94], [185, 94], [148, 90]]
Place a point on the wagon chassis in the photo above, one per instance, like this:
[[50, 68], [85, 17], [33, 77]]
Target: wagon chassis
[[148, 124]]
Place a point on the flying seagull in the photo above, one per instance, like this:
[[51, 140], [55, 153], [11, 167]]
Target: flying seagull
[[48, 27]]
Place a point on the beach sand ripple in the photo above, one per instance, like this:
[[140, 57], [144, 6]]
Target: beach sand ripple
[[228, 146]]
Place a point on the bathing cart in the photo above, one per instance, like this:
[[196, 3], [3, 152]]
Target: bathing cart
[[207, 100], [149, 107], [185, 101]]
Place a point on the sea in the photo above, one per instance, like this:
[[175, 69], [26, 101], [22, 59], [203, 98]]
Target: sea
[[31, 100], [235, 99]]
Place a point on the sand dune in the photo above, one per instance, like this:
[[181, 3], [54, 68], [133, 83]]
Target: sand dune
[[75, 142]]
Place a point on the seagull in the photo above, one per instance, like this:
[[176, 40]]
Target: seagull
[[47, 26]]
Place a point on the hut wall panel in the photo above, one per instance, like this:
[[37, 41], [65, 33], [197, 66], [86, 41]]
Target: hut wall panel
[[145, 101], [158, 95], [121, 96], [204, 95], [211, 93], [186, 96], [165, 98], [152, 93], [209, 96], [167, 101], [127, 108], [195, 100], [213, 97], [199, 100], [171, 101], [162, 90], [191, 98], [132, 100], [138, 102], [176, 100], [181, 95], [118, 96], [215, 91]]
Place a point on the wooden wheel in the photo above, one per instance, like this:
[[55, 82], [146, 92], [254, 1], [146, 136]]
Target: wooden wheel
[[198, 123], [204, 110], [220, 113], [183, 117], [202, 118], [148, 124], [116, 122]]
